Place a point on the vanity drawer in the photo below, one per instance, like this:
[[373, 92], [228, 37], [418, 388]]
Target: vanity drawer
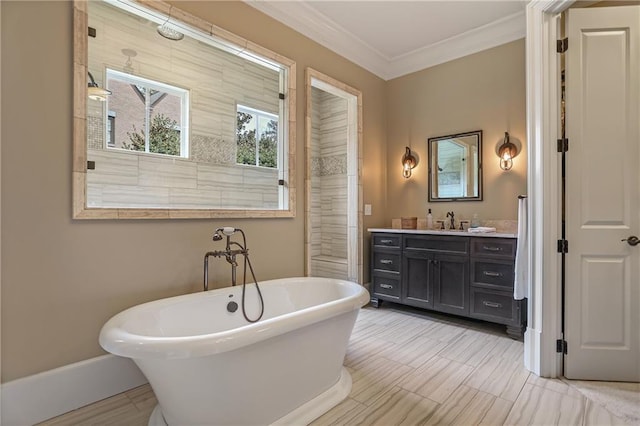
[[387, 240], [498, 274], [386, 260], [440, 244], [494, 247], [386, 285], [493, 306]]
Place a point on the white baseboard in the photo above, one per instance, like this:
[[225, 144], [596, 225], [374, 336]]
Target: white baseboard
[[533, 350], [48, 394]]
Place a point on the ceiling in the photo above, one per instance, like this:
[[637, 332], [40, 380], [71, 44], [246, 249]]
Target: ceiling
[[394, 38]]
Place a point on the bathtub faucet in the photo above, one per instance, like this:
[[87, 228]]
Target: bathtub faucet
[[228, 253]]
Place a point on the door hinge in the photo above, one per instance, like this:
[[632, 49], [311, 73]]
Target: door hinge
[[563, 246], [281, 96], [92, 32], [91, 165], [562, 45], [281, 182], [561, 346], [563, 145]]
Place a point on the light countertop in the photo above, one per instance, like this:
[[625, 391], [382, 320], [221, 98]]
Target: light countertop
[[444, 232]]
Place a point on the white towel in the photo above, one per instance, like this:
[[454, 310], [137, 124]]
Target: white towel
[[481, 229], [521, 280]]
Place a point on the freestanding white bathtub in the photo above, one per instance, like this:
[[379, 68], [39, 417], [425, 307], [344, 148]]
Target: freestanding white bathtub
[[208, 366]]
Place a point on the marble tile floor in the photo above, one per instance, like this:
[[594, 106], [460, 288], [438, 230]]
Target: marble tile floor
[[410, 367]]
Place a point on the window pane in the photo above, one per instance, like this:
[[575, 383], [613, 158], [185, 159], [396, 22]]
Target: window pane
[[269, 144], [130, 112], [246, 138]]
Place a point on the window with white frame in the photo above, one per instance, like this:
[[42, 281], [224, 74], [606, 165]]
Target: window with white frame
[[146, 115], [257, 137]]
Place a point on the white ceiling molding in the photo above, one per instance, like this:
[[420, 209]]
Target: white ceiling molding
[[505, 30], [318, 27], [315, 25]]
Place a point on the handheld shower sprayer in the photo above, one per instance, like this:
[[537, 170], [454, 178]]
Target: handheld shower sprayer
[[230, 255], [227, 231]]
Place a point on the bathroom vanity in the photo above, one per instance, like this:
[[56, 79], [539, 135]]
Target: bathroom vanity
[[456, 272]]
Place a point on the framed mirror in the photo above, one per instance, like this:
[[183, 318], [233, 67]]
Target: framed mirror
[[455, 167], [177, 118]]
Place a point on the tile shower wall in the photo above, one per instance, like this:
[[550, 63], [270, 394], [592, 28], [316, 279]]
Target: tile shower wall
[[217, 82], [149, 181], [328, 185]]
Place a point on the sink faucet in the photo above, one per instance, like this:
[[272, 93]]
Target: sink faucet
[[453, 222]]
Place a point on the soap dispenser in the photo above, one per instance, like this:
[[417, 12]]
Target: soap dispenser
[[429, 220]]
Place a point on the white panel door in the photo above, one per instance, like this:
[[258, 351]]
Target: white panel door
[[602, 320]]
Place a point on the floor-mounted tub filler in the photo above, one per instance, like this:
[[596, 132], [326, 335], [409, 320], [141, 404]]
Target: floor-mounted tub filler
[[208, 365]]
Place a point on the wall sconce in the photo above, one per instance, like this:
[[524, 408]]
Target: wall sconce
[[409, 161], [506, 152], [96, 92]]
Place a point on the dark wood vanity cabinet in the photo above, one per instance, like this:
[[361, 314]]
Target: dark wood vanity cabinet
[[386, 260], [461, 275], [435, 273], [491, 285]]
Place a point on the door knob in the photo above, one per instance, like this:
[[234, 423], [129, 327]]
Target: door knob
[[632, 240]]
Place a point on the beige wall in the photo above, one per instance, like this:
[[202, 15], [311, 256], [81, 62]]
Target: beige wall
[[62, 279], [484, 91]]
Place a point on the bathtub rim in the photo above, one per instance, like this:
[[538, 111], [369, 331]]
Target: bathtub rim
[[118, 341]]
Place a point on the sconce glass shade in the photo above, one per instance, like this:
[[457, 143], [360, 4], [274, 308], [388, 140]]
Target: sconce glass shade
[[409, 161], [506, 153], [96, 92]]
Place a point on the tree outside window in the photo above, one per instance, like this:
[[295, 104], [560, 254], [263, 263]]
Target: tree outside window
[[256, 137]]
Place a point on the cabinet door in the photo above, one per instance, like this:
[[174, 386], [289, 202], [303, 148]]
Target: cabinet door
[[451, 284], [416, 271]]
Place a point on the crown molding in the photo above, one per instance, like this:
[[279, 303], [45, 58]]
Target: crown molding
[[316, 26], [505, 30]]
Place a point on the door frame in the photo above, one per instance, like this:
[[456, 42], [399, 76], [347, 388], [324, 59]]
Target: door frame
[[544, 171]]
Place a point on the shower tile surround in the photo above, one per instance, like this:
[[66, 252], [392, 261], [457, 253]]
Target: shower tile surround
[[185, 183], [329, 185]]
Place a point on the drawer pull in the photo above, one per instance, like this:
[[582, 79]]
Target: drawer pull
[[387, 286], [386, 261], [386, 241], [492, 274], [490, 248], [492, 304]]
